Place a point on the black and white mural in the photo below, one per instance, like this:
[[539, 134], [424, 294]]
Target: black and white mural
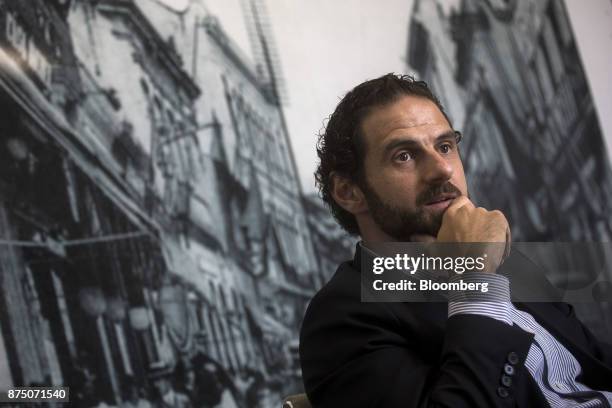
[[160, 235]]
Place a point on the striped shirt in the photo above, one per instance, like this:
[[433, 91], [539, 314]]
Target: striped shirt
[[552, 366]]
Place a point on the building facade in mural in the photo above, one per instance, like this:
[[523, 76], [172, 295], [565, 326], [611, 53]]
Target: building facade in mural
[[79, 255], [156, 243], [511, 77]]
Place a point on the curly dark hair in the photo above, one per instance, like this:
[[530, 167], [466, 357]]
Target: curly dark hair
[[340, 146]]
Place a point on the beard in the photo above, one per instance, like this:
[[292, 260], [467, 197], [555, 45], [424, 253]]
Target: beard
[[400, 223]]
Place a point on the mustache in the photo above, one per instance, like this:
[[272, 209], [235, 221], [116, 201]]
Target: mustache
[[435, 191]]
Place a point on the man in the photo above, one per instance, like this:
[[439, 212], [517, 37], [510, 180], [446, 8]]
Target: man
[[164, 394], [390, 170]]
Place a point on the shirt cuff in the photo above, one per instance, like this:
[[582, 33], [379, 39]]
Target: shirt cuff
[[493, 302]]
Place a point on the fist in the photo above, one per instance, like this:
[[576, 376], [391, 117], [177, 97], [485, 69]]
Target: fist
[[465, 223]]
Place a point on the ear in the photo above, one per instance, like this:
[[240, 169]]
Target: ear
[[347, 194]]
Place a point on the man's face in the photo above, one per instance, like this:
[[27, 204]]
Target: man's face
[[412, 167]]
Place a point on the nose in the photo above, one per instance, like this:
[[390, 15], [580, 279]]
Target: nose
[[436, 167]]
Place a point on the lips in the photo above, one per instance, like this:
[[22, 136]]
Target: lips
[[441, 199]]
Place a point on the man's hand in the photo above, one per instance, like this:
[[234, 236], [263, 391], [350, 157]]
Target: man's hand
[[464, 223]]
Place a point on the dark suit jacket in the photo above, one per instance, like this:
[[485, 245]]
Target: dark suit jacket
[[356, 354]]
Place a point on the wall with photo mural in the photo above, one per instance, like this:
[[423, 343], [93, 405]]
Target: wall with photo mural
[[156, 244]]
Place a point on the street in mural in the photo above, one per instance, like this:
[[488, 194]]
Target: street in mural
[[156, 248]]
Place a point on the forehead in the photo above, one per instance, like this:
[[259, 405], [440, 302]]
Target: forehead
[[411, 116]]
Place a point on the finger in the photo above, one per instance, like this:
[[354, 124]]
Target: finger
[[422, 238], [508, 245], [459, 202]]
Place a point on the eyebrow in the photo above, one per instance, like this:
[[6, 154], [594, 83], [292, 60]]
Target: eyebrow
[[395, 143]]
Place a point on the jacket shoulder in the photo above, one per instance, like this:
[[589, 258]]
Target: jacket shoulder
[[338, 328]]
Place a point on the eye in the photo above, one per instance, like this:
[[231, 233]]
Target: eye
[[403, 156], [446, 147]]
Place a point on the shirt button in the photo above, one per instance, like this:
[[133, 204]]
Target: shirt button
[[508, 369], [513, 358], [502, 392], [506, 380]]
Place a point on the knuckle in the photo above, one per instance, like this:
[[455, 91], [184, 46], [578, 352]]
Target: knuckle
[[498, 215], [448, 214]]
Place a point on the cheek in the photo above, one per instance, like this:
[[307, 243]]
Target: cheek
[[458, 178], [396, 188]]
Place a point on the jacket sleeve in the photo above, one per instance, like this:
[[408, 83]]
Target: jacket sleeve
[[357, 354], [600, 349]]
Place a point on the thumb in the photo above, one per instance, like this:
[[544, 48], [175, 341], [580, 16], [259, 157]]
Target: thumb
[[422, 238]]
